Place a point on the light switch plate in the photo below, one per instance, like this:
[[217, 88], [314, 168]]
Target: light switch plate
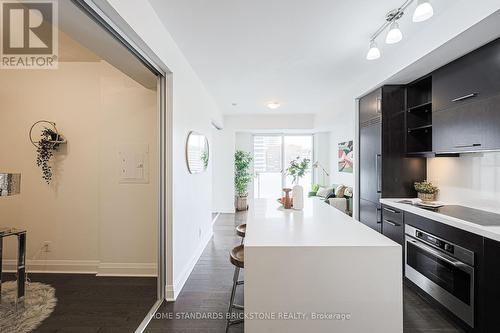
[[133, 163]]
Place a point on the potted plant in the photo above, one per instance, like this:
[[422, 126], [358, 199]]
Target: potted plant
[[297, 169], [426, 190], [242, 178], [49, 142]]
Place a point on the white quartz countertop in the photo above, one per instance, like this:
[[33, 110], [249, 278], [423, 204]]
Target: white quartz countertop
[[318, 224], [492, 232]]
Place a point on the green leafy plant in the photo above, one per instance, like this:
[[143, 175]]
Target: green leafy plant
[[426, 187], [242, 176], [298, 168], [45, 151]]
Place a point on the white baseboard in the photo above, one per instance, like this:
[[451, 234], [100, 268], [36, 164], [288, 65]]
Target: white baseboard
[[126, 269], [54, 266], [174, 290], [94, 267]]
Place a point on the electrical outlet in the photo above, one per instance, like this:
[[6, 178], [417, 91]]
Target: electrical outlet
[[47, 246]]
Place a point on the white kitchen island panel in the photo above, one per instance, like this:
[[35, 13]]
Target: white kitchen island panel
[[318, 270]]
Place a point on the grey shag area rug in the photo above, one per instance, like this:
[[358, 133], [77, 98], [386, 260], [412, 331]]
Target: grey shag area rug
[[39, 302]]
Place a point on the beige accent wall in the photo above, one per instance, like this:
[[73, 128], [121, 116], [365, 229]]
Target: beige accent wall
[[94, 222]]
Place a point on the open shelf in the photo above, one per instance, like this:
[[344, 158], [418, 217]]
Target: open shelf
[[419, 128], [419, 118], [424, 107]]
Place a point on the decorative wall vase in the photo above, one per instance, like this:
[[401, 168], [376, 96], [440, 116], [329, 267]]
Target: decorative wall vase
[[298, 197]]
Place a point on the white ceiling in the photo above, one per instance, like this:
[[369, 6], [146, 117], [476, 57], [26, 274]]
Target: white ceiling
[[306, 54]]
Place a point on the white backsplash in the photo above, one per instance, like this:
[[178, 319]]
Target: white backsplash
[[472, 179]]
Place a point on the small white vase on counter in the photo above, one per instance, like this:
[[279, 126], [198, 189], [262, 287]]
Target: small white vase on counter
[[298, 197]]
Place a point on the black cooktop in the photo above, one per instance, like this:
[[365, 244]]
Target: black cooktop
[[472, 215]]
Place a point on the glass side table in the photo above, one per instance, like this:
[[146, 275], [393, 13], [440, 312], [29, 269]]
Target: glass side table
[[21, 261]]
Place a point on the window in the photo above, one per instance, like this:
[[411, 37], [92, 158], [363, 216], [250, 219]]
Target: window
[[272, 156]]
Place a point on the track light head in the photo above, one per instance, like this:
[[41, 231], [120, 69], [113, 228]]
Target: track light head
[[373, 51], [423, 12]]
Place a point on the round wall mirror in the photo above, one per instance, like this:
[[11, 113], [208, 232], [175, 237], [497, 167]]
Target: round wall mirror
[[197, 152]]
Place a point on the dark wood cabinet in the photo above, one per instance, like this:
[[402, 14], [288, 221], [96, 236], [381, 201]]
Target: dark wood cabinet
[[370, 215], [489, 294], [469, 127], [459, 129], [465, 102], [472, 77], [393, 224], [385, 170]]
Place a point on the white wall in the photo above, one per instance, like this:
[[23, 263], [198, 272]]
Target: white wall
[[94, 223], [222, 172], [190, 221], [471, 179], [322, 153]]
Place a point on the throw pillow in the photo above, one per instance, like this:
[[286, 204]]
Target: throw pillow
[[348, 192], [339, 191], [324, 192], [332, 195]]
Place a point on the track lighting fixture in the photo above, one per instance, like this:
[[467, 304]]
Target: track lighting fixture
[[422, 12]]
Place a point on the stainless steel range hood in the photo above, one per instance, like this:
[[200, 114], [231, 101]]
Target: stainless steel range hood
[[10, 184]]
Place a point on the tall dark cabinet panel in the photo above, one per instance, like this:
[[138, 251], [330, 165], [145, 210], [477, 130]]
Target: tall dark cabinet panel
[[385, 171]]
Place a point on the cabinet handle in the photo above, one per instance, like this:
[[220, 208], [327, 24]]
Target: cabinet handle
[[378, 172], [391, 210], [469, 146], [458, 99], [394, 224]]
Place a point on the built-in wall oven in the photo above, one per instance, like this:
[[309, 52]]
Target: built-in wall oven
[[442, 269]]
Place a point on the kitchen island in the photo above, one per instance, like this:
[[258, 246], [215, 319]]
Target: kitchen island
[[319, 270]]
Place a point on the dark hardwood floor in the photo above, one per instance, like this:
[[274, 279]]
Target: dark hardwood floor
[[90, 304], [208, 289]]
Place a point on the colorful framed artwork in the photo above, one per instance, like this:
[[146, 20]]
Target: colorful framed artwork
[[346, 156]]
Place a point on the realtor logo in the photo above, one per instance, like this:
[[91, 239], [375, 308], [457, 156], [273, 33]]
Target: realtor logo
[[29, 35]]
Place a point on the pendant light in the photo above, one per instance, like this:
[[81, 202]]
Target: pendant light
[[394, 35], [423, 12], [373, 52]]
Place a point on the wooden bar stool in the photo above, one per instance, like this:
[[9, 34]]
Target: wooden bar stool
[[241, 230], [237, 258]]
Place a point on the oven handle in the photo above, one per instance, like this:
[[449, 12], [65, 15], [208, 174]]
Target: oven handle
[[438, 254]]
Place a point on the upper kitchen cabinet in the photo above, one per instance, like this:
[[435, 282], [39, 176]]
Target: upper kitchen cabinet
[[473, 77], [466, 102]]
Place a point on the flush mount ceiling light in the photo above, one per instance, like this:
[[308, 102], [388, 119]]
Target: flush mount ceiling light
[[423, 12], [273, 105]]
